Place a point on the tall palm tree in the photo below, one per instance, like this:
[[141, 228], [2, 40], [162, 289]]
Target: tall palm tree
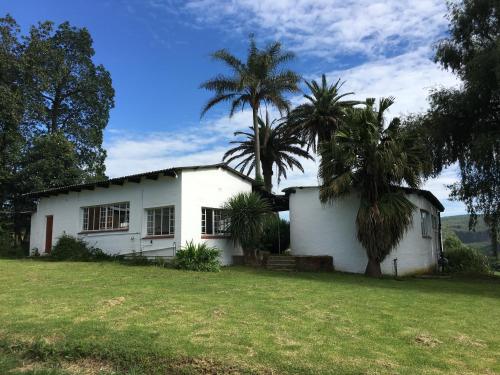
[[374, 160], [322, 114], [278, 147], [261, 79]]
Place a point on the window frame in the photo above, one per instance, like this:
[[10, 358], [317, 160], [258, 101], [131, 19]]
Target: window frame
[[106, 217], [218, 217], [151, 212]]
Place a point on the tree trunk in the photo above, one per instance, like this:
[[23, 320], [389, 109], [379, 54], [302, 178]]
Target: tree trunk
[[258, 173], [373, 268], [267, 170]]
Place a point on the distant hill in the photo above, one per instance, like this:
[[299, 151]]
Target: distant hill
[[479, 238]]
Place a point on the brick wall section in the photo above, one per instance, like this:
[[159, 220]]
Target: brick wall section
[[314, 263]]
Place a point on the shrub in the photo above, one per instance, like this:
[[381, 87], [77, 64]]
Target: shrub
[[275, 234], [198, 257], [464, 259], [71, 248], [8, 249], [247, 212]]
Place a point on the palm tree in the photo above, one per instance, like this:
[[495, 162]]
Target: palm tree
[[247, 213], [261, 79], [278, 147], [374, 160], [322, 114]]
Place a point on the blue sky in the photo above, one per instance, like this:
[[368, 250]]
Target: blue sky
[[158, 53]]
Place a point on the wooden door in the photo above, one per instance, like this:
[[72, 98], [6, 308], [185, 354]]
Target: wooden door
[[48, 233]]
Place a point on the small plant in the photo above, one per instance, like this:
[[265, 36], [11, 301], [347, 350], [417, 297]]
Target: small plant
[[464, 259], [71, 248], [198, 257]]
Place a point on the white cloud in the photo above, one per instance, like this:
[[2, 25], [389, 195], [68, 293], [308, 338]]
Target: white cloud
[[329, 27], [408, 77]]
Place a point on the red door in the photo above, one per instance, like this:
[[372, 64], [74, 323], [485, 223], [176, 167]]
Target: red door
[[48, 233]]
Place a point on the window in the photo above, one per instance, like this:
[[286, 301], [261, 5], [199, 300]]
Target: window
[[161, 221], [214, 221], [106, 217], [425, 220]]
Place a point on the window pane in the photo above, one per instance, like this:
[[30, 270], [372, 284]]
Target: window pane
[[85, 219], [209, 223], [150, 224], [124, 217], [172, 221], [157, 229], [165, 220]]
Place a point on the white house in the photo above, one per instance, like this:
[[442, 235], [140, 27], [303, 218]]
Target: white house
[[154, 212], [330, 229]]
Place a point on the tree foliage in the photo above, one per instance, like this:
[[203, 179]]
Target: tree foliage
[[322, 114], [464, 122], [366, 157], [279, 148], [260, 80], [55, 106]]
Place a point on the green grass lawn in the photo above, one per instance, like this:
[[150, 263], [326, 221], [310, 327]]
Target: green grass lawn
[[58, 318]]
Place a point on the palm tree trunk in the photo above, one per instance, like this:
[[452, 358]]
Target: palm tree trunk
[[258, 174], [373, 268], [267, 171]]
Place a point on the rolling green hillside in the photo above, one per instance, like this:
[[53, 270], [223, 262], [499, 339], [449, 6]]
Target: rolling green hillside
[[479, 238]]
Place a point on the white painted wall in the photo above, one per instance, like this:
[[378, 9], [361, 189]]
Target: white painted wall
[[191, 190], [208, 188], [330, 229]]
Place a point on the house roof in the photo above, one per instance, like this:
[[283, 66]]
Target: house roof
[[423, 193], [151, 175]]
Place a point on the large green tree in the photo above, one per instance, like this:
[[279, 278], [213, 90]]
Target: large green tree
[[67, 92], [262, 79], [321, 114], [55, 104], [367, 156], [464, 122], [279, 148]]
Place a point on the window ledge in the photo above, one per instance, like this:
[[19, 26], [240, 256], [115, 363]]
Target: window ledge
[[215, 236], [103, 231], [158, 237]]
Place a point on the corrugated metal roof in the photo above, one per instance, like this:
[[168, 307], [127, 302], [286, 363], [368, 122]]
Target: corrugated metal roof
[[132, 178]]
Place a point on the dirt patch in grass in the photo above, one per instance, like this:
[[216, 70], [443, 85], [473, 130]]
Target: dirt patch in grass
[[114, 301], [83, 366], [426, 339], [466, 340]]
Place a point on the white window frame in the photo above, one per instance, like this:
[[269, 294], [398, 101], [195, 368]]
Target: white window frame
[[151, 221], [219, 222], [426, 223], [106, 217]]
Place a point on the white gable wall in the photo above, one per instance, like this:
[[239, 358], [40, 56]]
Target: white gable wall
[[209, 188], [188, 192], [330, 229]]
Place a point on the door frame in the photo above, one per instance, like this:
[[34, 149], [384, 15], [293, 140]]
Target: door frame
[[49, 228]]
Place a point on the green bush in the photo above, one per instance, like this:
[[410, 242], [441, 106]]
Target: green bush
[[8, 249], [464, 259], [275, 235], [198, 257], [71, 248]]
